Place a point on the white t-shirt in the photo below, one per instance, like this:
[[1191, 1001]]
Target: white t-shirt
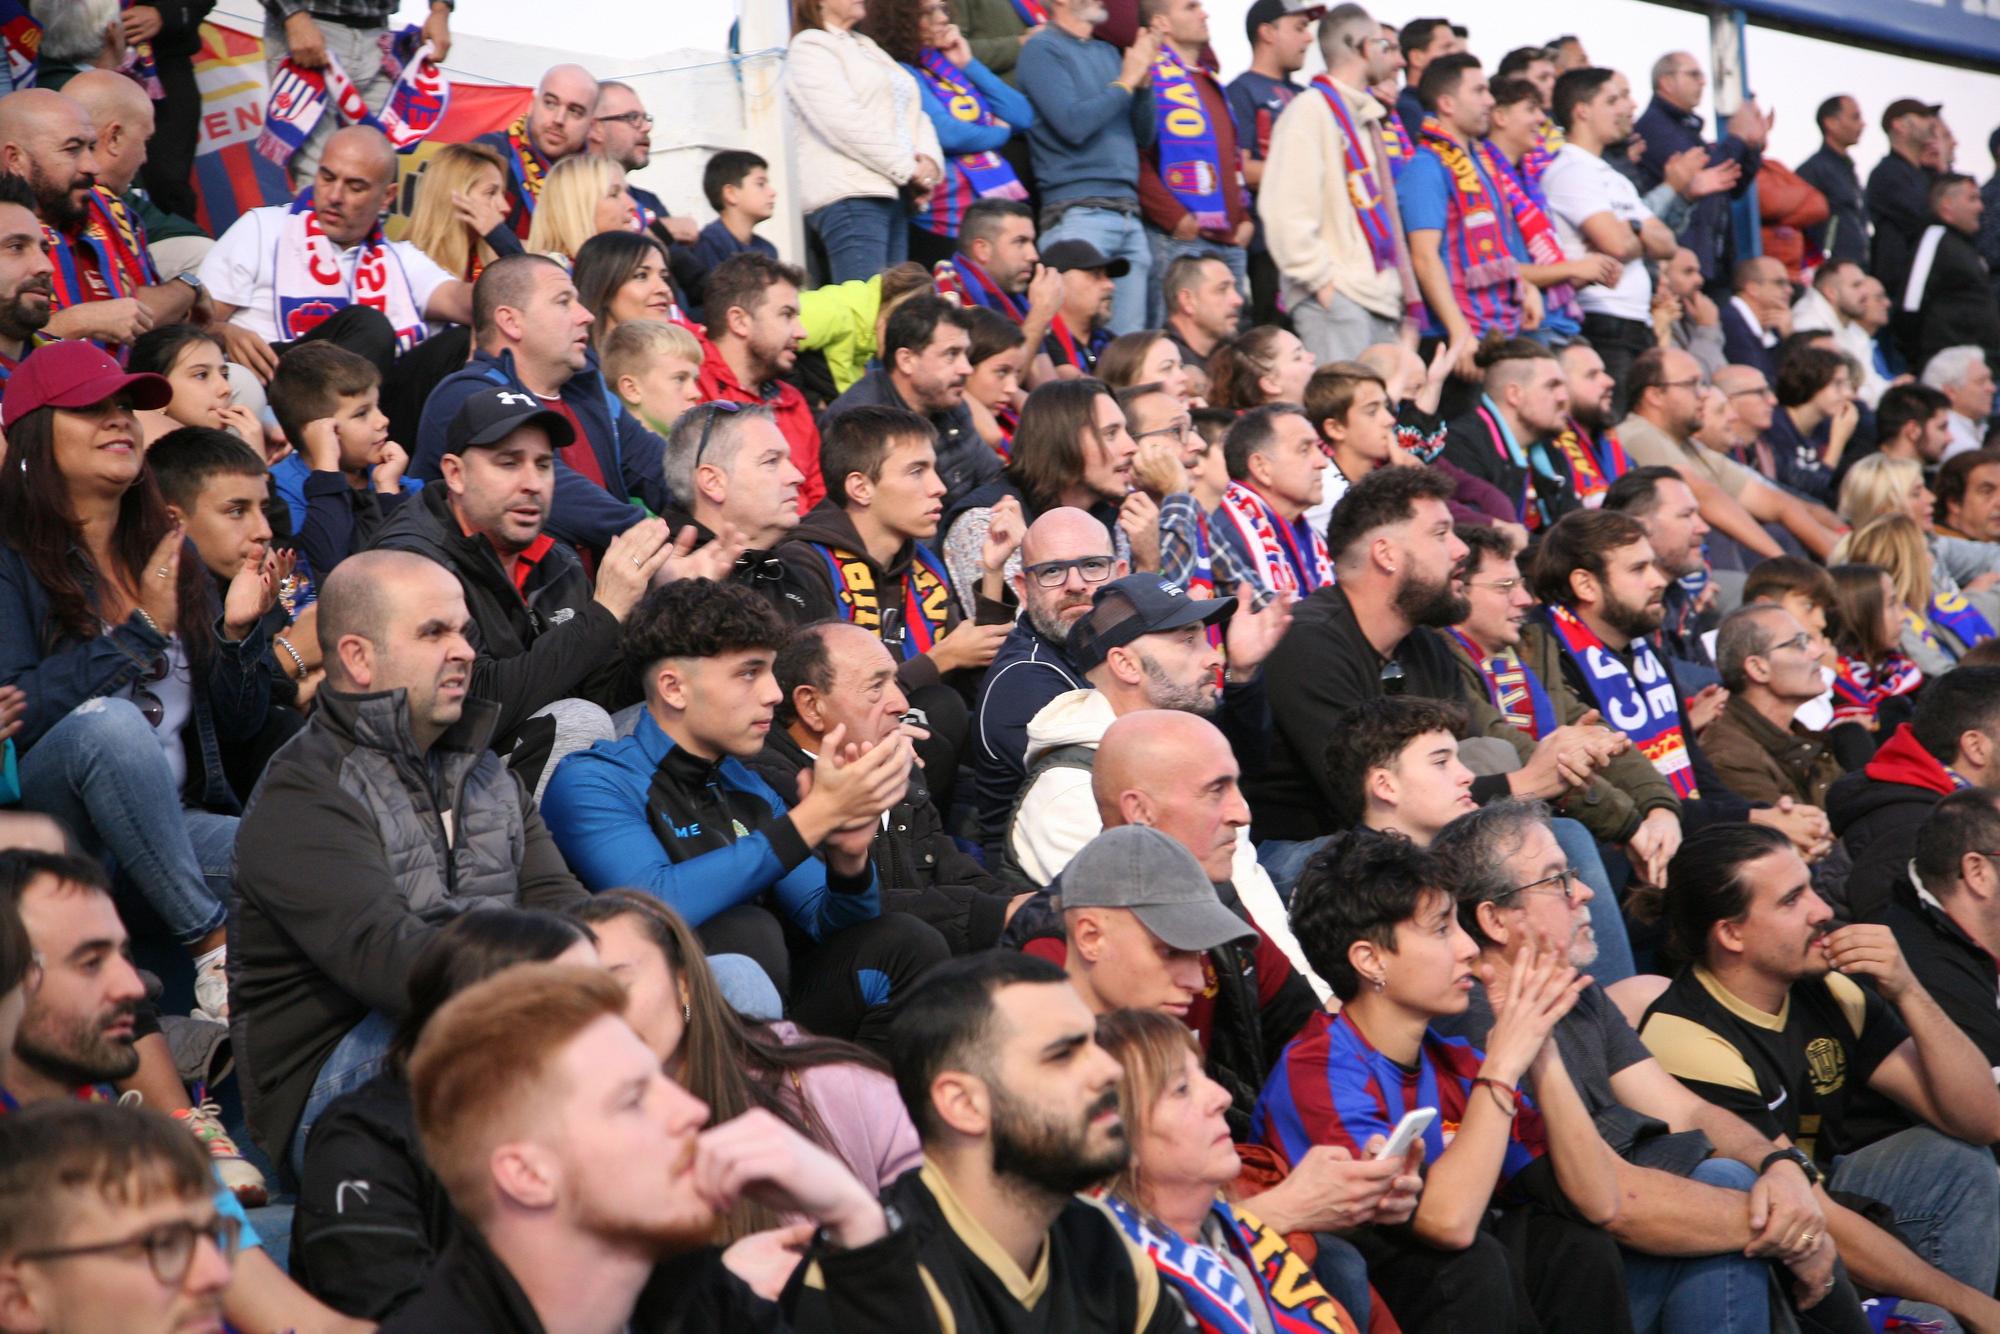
[[243, 263], [1580, 185]]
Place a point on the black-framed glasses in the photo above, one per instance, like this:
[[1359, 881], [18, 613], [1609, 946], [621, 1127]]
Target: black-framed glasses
[[1681, 384], [1180, 429], [168, 1248], [715, 409], [638, 120], [151, 708], [1393, 680], [1562, 880], [1053, 573]]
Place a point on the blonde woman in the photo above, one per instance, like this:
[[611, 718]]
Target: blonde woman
[[1878, 485], [1937, 627], [460, 217], [584, 195]]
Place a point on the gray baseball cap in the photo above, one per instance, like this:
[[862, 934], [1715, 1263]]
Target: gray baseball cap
[[1140, 868]]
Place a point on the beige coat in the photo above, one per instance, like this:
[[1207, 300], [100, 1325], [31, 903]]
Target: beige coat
[[859, 122], [1310, 222]]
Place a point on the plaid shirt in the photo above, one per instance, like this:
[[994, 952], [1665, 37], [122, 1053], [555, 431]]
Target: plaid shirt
[[1180, 549], [350, 13]]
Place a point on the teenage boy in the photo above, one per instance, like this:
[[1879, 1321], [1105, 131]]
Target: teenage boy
[[344, 475], [738, 186], [672, 810]]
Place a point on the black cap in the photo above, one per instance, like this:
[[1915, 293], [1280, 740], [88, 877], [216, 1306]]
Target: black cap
[[1138, 604], [1270, 11], [1907, 106], [491, 415], [1080, 254]]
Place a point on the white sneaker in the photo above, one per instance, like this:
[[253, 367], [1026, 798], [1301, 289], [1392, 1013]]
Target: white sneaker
[[240, 1176], [211, 986]]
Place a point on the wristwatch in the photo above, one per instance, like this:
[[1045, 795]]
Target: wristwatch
[[1796, 1155], [192, 280]]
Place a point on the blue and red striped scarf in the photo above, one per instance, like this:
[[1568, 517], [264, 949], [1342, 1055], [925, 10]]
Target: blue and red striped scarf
[[1639, 701], [1592, 470], [973, 286], [1371, 199], [1529, 208], [968, 176], [1963, 621], [1064, 349], [8, 365], [1859, 687], [1216, 1300], [1513, 687], [1483, 272], [1186, 147], [527, 168], [116, 240], [1033, 12], [926, 602], [1396, 143]]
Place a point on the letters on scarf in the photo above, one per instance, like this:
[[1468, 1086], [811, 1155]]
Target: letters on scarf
[[299, 97], [1639, 701], [1513, 688], [1591, 470], [1371, 201], [909, 629], [1396, 145], [1216, 1300], [115, 239], [982, 175], [1959, 618], [1474, 245], [1190, 159], [308, 288], [1287, 557]]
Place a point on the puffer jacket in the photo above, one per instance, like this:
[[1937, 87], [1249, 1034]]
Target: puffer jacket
[[356, 847]]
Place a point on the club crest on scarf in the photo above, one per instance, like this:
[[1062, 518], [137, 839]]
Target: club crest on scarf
[[299, 96], [22, 37], [1190, 158], [309, 289], [1639, 701]]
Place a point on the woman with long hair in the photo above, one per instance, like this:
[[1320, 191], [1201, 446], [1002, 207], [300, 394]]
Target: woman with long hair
[[622, 276], [366, 1252], [1880, 484], [459, 218], [1146, 357], [1258, 366], [136, 679], [1875, 684], [191, 360], [834, 1093], [1937, 626], [1170, 1198], [583, 196]]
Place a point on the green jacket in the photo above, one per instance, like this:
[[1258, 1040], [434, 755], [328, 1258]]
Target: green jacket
[[993, 30], [1621, 795]]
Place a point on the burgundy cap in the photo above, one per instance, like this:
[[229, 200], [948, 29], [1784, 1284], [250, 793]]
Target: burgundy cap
[[76, 374]]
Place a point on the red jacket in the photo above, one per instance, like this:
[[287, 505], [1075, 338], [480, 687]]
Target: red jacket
[[787, 404]]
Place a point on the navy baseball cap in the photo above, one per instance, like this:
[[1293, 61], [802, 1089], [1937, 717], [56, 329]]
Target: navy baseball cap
[[491, 415], [1139, 604]]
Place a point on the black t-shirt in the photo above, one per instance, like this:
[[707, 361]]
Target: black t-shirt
[[1593, 1038], [1792, 1073]]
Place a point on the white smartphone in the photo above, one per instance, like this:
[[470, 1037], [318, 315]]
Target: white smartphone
[[1413, 1124]]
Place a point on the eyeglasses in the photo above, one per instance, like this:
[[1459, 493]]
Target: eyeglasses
[[1055, 573], [1179, 430], [1681, 384], [714, 410], [1801, 641], [150, 706], [1393, 680], [638, 120], [1561, 879], [169, 1249]]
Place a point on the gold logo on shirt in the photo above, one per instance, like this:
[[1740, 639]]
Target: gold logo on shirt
[[1826, 1062]]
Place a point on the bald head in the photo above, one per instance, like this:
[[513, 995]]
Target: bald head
[[355, 599], [394, 621], [1139, 751], [108, 95], [559, 121], [1173, 772], [122, 115], [48, 141], [1064, 533]]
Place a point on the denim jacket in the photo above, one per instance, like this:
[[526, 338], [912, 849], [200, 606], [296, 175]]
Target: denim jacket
[[229, 706]]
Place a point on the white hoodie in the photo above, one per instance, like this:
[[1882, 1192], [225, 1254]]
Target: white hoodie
[[1059, 815]]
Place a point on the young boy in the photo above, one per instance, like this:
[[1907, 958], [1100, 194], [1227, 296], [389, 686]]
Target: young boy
[[344, 474], [738, 186], [655, 369]]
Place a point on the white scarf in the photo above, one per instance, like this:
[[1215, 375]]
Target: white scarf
[[307, 287]]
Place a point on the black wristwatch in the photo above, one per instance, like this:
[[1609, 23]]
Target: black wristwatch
[[1795, 1155]]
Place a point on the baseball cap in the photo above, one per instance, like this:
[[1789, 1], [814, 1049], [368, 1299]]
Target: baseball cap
[[1076, 253], [1138, 604], [1270, 11], [1137, 867], [76, 374], [1907, 106], [491, 415]]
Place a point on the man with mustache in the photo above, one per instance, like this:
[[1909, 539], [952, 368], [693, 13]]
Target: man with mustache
[[924, 369], [27, 290], [105, 290], [545, 638], [385, 817], [1770, 1020], [1017, 1107], [1770, 667]]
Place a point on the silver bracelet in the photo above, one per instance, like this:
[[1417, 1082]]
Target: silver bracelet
[[291, 653], [151, 624]]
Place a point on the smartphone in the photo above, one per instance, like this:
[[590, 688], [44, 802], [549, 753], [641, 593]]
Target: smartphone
[[1413, 1124]]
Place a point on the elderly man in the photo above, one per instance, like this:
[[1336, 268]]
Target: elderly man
[[351, 33], [279, 275], [555, 125], [103, 290], [1963, 375], [76, 35], [1671, 125], [1770, 667]]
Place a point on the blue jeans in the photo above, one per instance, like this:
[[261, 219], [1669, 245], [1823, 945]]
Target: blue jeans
[[100, 772], [1116, 236], [355, 1060], [1166, 249], [1945, 1195], [1607, 923], [862, 236], [1716, 1294]]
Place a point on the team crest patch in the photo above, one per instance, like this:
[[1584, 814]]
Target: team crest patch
[[1826, 1063]]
